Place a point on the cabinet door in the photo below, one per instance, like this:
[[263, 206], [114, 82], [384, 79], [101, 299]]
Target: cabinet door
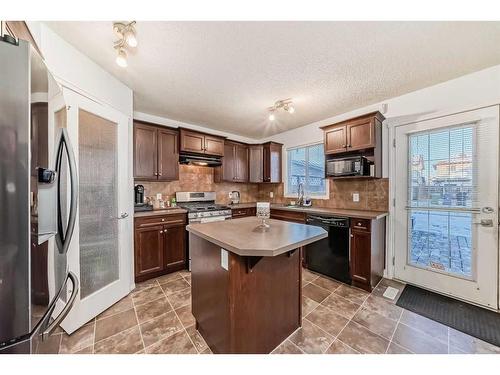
[[256, 163], [335, 140], [241, 156], [228, 162], [175, 248], [361, 134], [145, 152], [360, 257], [214, 145], [168, 155], [149, 254], [192, 141], [272, 162]]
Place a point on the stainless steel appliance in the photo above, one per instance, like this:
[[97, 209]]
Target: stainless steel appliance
[[234, 197], [37, 203], [348, 166], [201, 206], [330, 256]]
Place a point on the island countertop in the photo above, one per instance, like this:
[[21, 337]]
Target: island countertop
[[244, 237]]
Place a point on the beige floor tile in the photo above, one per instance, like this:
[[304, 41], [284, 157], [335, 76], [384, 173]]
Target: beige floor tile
[[376, 323], [308, 305], [311, 339], [168, 277], [160, 328], [341, 306], [78, 340], [383, 307], [113, 324], [382, 287], [362, 339], [196, 338], [353, 294], [49, 346], [150, 310], [338, 347], [125, 342], [187, 278], [147, 295], [397, 349], [181, 298], [207, 351], [287, 347], [327, 320], [175, 286], [144, 285], [430, 327], [417, 341], [315, 292], [308, 276], [123, 305], [185, 315], [87, 350], [327, 283], [178, 343], [460, 341]]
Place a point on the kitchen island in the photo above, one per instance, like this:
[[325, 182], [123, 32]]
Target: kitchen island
[[246, 282]]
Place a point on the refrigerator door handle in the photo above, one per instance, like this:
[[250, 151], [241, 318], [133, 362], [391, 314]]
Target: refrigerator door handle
[[64, 145], [57, 321]]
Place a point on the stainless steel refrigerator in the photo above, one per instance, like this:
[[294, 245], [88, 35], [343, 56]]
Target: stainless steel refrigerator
[[38, 198]]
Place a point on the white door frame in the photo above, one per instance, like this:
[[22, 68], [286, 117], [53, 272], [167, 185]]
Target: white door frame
[[104, 298], [391, 163]]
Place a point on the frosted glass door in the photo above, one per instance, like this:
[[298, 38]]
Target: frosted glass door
[[99, 255]]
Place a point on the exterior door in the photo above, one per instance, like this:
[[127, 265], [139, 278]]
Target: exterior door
[[446, 209], [101, 251]]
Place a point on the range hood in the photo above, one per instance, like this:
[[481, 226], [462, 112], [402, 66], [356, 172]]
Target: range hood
[[205, 161]]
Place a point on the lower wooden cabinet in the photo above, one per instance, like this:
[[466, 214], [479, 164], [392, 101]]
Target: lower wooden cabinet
[[367, 252], [295, 217], [237, 213], [160, 245]]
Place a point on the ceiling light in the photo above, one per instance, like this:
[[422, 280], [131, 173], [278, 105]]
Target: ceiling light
[[121, 58], [291, 109], [130, 38], [272, 117], [285, 104]]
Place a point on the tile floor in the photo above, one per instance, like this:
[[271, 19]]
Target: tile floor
[[156, 318]]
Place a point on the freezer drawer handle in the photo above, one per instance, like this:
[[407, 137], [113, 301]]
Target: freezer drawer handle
[[57, 321]]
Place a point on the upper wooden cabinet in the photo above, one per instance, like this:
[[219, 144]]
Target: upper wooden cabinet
[[234, 163], [272, 154], [359, 133], [200, 143], [255, 163], [156, 154]]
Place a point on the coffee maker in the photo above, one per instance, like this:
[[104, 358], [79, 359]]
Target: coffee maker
[[139, 204]]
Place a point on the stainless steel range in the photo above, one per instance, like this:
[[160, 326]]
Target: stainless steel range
[[201, 206]]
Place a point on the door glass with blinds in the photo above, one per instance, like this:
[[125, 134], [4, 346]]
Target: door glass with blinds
[[441, 195], [306, 165]]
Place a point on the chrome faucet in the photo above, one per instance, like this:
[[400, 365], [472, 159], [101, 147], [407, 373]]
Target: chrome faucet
[[300, 194]]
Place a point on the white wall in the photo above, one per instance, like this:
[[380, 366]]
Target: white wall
[[76, 71]]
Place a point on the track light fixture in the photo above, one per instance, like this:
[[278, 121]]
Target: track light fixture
[[127, 38], [285, 104]]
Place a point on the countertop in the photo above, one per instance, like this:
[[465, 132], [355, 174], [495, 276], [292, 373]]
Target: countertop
[[245, 238], [360, 214], [165, 211]]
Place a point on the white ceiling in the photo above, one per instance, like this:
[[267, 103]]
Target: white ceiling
[[223, 75]]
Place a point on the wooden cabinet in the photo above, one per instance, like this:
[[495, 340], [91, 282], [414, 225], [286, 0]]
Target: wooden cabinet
[[272, 154], [237, 213], [241, 162], [255, 163], [234, 163], [295, 217], [355, 134], [367, 252], [200, 143], [156, 154], [160, 245]]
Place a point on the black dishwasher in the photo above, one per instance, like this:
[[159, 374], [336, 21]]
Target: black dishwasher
[[330, 256]]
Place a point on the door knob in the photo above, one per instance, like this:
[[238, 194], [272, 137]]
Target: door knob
[[485, 222], [123, 215], [487, 210]]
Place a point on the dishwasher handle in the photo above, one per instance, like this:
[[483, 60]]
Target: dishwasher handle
[[332, 221]]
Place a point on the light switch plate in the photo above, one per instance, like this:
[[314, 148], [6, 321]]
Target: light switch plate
[[271, 194], [355, 197], [224, 261], [158, 196]]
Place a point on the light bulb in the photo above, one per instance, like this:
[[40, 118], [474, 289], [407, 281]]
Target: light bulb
[[271, 117], [121, 58], [291, 109], [130, 38]]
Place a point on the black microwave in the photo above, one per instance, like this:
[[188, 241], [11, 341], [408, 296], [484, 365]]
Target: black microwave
[[350, 166]]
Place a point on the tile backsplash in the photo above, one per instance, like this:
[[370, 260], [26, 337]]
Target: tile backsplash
[[373, 194]]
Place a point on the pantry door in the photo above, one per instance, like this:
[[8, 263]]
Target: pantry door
[[101, 251], [446, 205]]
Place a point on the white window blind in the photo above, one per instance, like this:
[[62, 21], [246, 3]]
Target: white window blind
[[306, 165]]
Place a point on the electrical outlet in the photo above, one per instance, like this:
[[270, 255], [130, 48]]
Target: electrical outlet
[[158, 196], [271, 194], [355, 197]]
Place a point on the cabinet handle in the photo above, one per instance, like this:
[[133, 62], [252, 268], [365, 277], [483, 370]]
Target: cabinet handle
[[349, 146], [156, 173], [159, 174], [161, 232], [162, 219], [344, 146], [352, 235]]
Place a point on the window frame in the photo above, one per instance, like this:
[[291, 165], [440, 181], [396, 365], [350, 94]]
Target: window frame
[[287, 193]]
